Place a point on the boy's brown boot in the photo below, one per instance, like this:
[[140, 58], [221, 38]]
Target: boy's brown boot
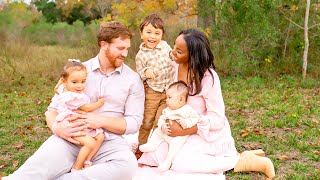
[[138, 154], [252, 162]]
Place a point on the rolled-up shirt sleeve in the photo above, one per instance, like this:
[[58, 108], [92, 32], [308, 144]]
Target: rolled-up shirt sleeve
[[134, 107], [53, 105], [141, 67]]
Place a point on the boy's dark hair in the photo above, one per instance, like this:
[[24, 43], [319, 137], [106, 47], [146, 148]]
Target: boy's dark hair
[[112, 30], [181, 87], [153, 19]]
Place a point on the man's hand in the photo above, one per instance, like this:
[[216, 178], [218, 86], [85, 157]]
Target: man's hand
[[165, 128], [149, 73], [67, 130], [92, 120]]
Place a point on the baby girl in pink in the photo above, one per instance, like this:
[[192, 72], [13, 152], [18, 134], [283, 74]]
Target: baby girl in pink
[[70, 96], [70, 101]]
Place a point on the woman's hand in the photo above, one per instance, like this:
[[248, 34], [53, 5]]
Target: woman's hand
[[145, 85], [177, 130], [165, 128], [67, 130]]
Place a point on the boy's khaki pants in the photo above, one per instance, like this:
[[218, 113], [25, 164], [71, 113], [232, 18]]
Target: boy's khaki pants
[[154, 103]]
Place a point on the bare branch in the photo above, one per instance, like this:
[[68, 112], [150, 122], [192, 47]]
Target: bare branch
[[291, 20], [315, 25]]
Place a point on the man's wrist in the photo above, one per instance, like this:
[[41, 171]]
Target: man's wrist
[[53, 127]]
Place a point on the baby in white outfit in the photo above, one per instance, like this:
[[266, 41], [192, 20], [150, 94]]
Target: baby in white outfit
[[177, 110]]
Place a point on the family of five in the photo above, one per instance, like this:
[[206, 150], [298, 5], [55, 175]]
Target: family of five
[[98, 101]]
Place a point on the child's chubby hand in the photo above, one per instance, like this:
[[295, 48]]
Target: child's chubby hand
[[149, 73], [165, 128], [100, 101]]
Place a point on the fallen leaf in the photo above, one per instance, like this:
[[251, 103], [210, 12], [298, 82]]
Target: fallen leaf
[[258, 132], [276, 116], [15, 164], [313, 143], [315, 121], [233, 122], [19, 145], [48, 99], [244, 133], [283, 157], [298, 131], [23, 94], [316, 152], [2, 165], [37, 101], [252, 146]]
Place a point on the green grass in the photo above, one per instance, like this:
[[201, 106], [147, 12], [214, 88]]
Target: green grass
[[22, 124], [282, 118]]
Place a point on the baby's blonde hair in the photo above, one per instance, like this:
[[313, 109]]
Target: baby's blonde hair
[[70, 67]]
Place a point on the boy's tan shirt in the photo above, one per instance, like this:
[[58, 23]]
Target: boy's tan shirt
[[158, 59]]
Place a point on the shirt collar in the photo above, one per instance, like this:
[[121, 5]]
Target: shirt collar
[[95, 63], [119, 69]]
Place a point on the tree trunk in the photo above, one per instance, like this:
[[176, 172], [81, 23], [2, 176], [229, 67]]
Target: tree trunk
[[286, 41], [306, 39]]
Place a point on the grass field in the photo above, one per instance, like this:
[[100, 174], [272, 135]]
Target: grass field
[[279, 115]]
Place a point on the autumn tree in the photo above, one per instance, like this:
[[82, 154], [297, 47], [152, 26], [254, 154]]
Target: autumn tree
[[104, 7], [73, 10], [206, 12], [48, 9]]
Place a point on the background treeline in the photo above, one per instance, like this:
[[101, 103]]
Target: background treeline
[[258, 47], [249, 37]]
